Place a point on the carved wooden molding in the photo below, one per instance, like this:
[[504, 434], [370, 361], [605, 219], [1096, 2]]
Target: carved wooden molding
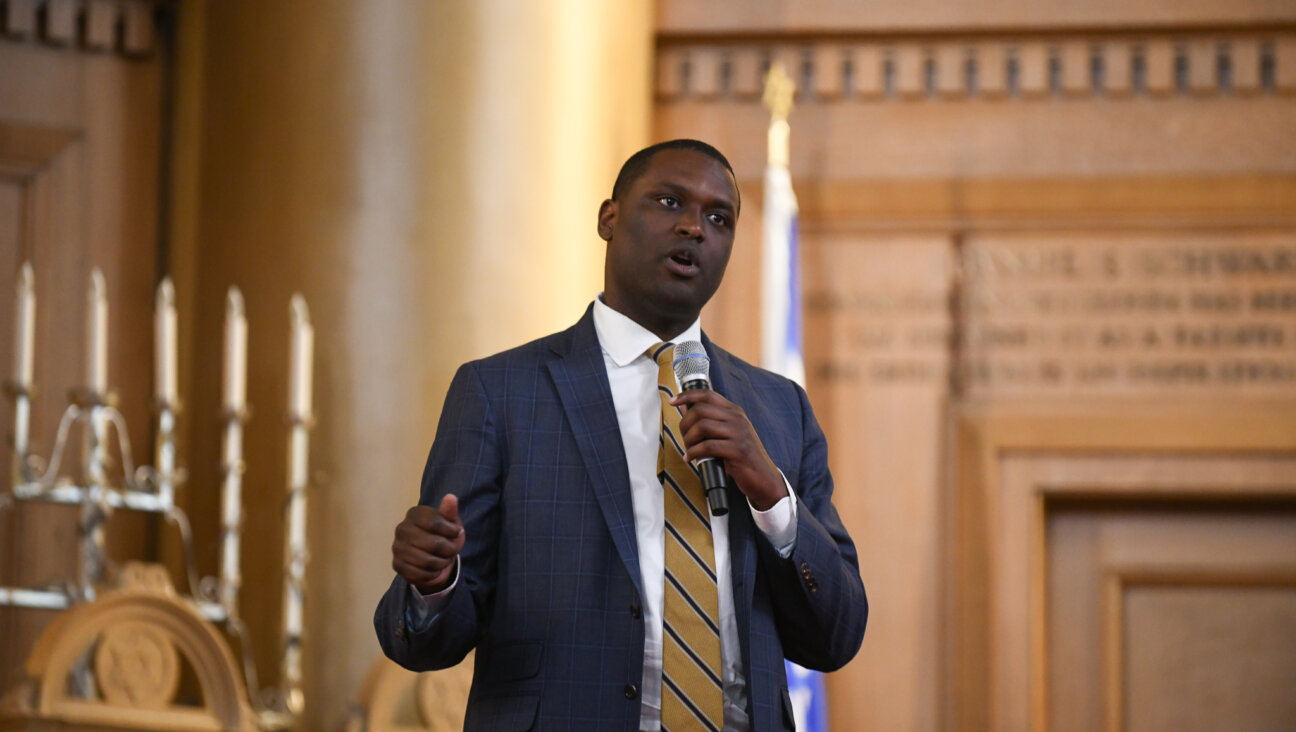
[[1160, 201], [137, 640], [123, 26], [1160, 63], [26, 151]]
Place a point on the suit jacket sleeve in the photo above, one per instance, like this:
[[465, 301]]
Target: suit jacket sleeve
[[818, 597], [464, 460]]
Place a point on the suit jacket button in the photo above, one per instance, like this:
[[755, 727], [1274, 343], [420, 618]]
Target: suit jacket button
[[400, 632], [634, 610], [631, 691]]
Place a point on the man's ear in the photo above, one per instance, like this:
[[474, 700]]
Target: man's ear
[[606, 218]]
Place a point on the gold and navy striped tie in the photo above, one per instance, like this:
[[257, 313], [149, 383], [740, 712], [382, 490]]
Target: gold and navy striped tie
[[692, 692]]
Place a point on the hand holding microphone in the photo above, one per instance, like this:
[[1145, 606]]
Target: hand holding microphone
[[719, 437]]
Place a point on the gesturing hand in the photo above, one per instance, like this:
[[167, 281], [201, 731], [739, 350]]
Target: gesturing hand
[[715, 427], [426, 544]]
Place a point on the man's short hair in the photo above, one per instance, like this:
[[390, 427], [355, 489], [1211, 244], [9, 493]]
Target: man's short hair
[[637, 164]]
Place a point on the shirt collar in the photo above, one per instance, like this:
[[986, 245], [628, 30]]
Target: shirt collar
[[624, 340]]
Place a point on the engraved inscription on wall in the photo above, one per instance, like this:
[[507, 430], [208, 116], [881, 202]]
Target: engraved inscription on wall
[[1099, 313], [1128, 314], [878, 312]]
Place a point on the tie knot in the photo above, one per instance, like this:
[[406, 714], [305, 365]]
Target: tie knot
[[662, 353]]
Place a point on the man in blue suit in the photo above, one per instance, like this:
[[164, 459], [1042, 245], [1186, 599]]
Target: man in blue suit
[[538, 535]]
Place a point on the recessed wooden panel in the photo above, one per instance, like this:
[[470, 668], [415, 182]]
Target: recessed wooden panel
[[1209, 657], [876, 331], [1049, 506], [1062, 526], [1106, 556]]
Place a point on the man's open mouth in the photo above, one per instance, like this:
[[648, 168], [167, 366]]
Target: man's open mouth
[[683, 261]]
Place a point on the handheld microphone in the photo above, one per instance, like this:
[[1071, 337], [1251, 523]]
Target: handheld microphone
[[693, 371]]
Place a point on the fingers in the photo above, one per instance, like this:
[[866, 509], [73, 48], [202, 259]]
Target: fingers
[[434, 520], [695, 396], [426, 580], [714, 427], [426, 543], [415, 539]]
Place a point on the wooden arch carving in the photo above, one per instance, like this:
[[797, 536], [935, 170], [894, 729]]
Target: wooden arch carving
[[135, 639], [393, 699]]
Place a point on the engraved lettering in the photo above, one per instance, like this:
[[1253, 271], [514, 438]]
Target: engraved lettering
[[1274, 301], [1220, 336], [905, 370], [1189, 263], [1257, 372], [1217, 302], [1170, 372]]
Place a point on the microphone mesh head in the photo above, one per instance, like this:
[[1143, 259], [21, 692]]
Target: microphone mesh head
[[691, 363]]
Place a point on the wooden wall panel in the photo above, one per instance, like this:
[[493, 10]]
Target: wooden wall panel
[[1065, 506], [80, 150], [1229, 649], [876, 331], [1069, 175], [1177, 609]]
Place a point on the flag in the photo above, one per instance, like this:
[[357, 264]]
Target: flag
[[781, 327], [809, 700], [781, 278]]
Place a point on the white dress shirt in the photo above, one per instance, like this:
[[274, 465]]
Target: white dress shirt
[[633, 378]]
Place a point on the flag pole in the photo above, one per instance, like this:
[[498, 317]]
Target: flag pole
[[781, 322], [780, 273]]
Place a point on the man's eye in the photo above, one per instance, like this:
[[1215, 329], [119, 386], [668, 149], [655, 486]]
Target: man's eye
[[719, 219], [668, 201]]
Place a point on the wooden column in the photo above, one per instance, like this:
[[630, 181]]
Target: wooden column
[[428, 176]]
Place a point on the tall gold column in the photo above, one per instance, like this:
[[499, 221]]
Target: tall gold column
[[428, 176]]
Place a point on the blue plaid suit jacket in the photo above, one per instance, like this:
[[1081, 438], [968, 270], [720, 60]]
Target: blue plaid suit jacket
[[549, 587]]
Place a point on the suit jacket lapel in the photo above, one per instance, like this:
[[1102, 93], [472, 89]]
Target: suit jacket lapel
[[581, 380], [734, 385]]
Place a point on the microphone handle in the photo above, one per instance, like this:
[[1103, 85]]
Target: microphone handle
[[714, 479]]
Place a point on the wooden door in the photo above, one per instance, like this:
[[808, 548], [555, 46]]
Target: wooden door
[[1127, 572]]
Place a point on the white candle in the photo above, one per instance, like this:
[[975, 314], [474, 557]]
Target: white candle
[[303, 345], [24, 327], [97, 334], [231, 516], [164, 341], [299, 407], [235, 384]]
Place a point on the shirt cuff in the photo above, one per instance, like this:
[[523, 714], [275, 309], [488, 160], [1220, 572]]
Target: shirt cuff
[[422, 609], [779, 523]]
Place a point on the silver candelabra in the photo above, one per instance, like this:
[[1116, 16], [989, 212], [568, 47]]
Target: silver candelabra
[[151, 489]]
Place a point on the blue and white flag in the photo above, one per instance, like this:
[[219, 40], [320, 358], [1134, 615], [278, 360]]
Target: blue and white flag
[[781, 278], [809, 700], [781, 353]]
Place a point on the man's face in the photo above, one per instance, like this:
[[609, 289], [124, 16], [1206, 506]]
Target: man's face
[[668, 240]]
